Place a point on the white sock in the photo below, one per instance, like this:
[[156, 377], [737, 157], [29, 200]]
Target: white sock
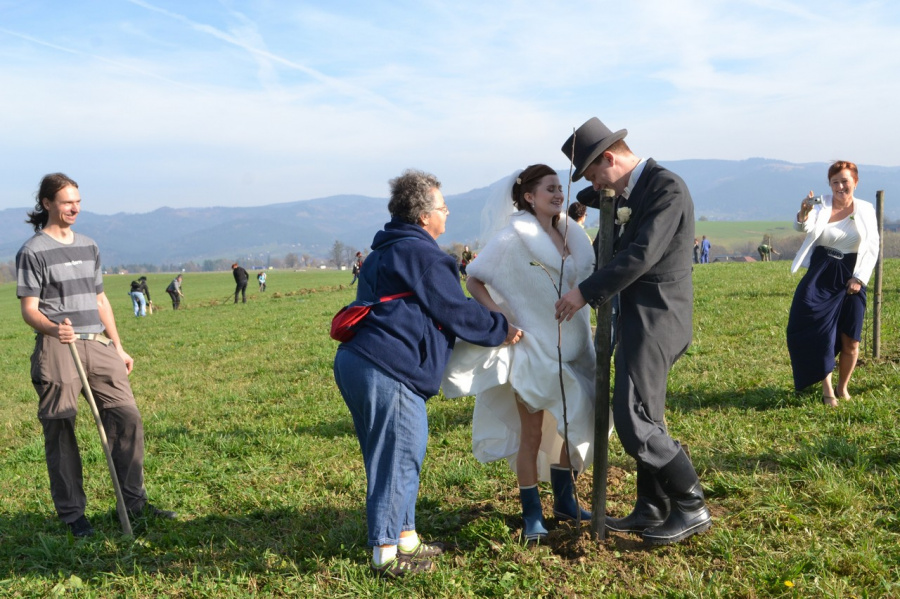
[[410, 542], [382, 555]]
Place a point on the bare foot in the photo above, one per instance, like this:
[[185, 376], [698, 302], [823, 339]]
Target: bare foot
[[829, 400]]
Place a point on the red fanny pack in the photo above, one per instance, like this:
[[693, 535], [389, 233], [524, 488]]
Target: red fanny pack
[[346, 321]]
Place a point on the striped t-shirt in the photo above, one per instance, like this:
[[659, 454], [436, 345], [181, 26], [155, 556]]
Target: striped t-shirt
[[66, 278]]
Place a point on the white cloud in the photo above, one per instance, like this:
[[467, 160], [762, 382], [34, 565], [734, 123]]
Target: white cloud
[[207, 104]]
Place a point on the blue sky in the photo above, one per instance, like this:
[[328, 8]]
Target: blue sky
[[240, 103]]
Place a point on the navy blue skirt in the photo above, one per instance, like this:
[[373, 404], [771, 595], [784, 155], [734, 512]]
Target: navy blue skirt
[[822, 310]]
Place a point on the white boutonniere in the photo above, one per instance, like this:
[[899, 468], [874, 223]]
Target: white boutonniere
[[623, 215]]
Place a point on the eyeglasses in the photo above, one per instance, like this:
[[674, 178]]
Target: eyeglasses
[[443, 209]]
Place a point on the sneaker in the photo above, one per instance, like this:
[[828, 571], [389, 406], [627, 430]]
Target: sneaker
[[81, 528], [422, 551], [400, 566], [151, 511]]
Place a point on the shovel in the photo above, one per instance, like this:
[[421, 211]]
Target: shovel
[[120, 500]]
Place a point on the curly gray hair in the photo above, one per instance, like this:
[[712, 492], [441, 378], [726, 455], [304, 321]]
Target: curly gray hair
[[412, 195]]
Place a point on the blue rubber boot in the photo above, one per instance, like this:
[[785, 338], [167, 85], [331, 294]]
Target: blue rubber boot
[[564, 506], [532, 514]]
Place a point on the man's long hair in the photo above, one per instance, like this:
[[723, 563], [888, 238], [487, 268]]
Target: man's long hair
[[50, 185]]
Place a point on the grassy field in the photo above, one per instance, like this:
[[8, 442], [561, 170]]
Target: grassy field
[[248, 438], [741, 236], [735, 236]]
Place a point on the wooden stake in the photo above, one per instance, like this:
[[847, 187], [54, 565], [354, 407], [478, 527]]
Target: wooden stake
[[602, 342], [876, 302]]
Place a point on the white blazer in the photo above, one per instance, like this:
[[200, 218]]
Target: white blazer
[[866, 223]]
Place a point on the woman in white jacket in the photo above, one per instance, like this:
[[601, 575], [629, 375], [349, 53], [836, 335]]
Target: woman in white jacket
[[840, 252], [519, 409]]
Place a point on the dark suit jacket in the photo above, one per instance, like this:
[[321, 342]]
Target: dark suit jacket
[[651, 271]]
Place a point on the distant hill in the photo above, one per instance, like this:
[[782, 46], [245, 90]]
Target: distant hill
[[748, 190]]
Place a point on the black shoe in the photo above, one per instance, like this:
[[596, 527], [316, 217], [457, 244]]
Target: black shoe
[[151, 511], [81, 528], [651, 508], [688, 517], [689, 514], [400, 566], [645, 515]]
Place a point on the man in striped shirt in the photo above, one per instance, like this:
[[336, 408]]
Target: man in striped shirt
[[60, 288]]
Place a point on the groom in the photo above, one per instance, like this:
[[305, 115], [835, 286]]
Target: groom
[[651, 273]]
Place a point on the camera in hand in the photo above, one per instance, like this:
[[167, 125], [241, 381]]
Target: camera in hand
[[815, 200]]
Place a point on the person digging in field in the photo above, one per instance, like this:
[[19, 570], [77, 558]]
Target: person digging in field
[[766, 250], [241, 278], [519, 413], [651, 274], [60, 287], [840, 252], [140, 296], [394, 363], [174, 291]]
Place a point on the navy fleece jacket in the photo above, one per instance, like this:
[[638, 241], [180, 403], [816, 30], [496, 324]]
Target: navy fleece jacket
[[412, 337]]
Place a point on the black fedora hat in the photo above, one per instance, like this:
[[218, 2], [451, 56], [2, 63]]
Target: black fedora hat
[[590, 140]]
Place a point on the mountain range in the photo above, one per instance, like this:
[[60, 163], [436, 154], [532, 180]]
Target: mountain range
[[753, 189]]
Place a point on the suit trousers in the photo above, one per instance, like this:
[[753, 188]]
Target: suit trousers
[[640, 422]]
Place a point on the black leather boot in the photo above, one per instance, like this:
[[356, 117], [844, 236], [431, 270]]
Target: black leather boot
[[651, 508], [688, 515]]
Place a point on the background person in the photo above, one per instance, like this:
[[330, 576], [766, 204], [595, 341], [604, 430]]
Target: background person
[[766, 250], [696, 251], [464, 260], [394, 363], [840, 251], [261, 279], [519, 406], [705, 246], [241, 278], [651, 273], [146, 291], [174, 291], [578, 212], [357, 265], [60, 288], [140, 296]]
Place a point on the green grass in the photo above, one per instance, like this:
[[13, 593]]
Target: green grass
[[248, 438], [742, 236], [738, 236]]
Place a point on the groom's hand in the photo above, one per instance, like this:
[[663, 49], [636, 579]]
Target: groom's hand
[[569, 304]]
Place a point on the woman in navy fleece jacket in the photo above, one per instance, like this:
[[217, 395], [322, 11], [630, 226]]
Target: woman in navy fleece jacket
[[395, 362]]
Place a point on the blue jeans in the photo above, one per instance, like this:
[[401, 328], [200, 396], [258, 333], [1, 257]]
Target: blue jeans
[[140, 304], [392, 427]]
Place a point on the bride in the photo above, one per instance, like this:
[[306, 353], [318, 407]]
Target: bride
[[519, 407]]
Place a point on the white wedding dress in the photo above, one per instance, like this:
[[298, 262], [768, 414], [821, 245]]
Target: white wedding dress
[[527, 296]]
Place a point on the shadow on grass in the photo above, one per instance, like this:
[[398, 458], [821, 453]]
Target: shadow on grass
[[266, 544], [282, 542], [269, 543]]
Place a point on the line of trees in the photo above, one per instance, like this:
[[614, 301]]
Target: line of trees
[[343, 255]]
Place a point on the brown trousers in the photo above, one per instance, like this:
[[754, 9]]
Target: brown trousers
[[58, 385]]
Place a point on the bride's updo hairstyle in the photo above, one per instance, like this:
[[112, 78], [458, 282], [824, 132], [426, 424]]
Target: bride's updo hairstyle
[[527, 182]]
